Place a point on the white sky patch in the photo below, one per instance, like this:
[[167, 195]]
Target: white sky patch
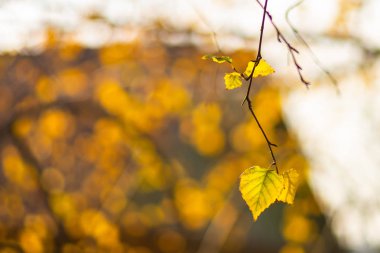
[[93, 34], [315, 16], [365, 24], [121, 12], [237, 18], [340, 137]]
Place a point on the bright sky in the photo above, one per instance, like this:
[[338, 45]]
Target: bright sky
[[339, 134], [20, 19]]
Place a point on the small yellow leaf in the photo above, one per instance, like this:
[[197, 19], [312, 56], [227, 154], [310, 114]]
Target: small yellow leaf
[[232, 80], [288, 192], [262, 69], [260, 187], [218, 59]]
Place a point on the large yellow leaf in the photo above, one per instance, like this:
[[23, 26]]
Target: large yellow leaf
[[288, 192], [232, 80], [218, 59], [262, 69], [260, 187]]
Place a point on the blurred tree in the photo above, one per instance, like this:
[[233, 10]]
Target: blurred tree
[[135, 147], [113, 150]]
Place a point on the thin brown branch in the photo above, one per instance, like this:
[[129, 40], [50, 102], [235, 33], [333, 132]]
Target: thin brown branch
[[61, 236], [269, 143], [250, 79], [258, 57], [291, 49]]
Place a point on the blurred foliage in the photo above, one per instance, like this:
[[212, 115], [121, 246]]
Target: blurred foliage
[[138, 147]]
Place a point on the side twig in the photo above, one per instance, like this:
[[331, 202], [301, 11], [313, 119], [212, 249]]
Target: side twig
[[281, 38]]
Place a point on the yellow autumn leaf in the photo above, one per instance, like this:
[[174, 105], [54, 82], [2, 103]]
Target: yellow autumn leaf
[[262, 69], [290, 179], [218, 59], [232, 80], [260, 187]]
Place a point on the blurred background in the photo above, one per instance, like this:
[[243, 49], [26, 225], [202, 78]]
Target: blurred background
[[116, 137]]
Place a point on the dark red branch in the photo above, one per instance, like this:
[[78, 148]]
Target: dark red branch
[[281, 38], [269, 143]]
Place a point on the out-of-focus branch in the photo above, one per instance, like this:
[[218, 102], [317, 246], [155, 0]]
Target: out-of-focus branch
[[73, 106], [61, 236], [220, 227], [6, 130], [11, 245], [303, 41]]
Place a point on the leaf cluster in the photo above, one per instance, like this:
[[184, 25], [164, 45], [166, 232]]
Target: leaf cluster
[[234, 79], [261, 187]]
